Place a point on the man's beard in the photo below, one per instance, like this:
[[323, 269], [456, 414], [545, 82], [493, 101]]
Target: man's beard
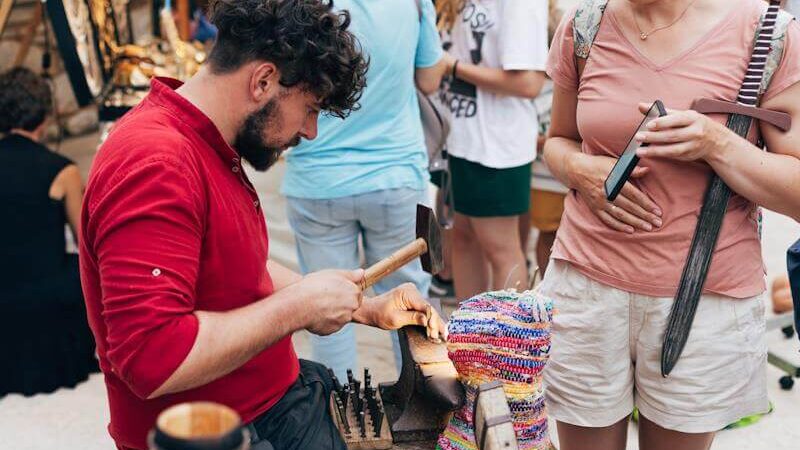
[[250, 143]]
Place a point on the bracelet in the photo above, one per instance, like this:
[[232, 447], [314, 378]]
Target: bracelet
[[453, 72]]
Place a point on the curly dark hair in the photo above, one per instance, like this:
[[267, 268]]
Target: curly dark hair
[[307, 40], [25, 100]]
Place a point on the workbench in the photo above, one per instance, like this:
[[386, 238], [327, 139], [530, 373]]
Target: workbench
[[429, 445]]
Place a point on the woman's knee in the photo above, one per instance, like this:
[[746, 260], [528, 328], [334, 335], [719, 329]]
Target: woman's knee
[[499, 253], [462, 233]]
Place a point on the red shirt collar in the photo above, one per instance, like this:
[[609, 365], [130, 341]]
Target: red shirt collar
[[162, 92]]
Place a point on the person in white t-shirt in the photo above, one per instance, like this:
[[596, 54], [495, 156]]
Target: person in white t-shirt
[[496, 56]]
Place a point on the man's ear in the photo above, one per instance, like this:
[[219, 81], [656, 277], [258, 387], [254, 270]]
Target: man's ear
[[264, 81]]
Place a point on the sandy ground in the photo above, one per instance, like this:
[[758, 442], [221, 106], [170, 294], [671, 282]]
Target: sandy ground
[[76, 418]]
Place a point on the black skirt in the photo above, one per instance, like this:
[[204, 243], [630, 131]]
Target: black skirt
[[45, 341]]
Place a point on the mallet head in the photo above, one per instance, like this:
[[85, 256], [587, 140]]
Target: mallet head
[[428, 229]]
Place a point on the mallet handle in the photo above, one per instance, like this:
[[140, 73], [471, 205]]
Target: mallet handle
[[390, 264]]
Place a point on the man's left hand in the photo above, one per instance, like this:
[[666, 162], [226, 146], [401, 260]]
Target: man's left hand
[[682, 136], [400, 307]]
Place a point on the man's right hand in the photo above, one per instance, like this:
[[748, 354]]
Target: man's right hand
[[332, 297], [631, 210]]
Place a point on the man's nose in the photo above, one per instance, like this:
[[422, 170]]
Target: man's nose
[[309, 130]]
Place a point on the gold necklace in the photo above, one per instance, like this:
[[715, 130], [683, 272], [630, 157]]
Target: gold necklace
[[643, 35]]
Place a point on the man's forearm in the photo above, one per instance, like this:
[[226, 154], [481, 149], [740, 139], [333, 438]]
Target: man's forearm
[[282, 276], [227, 340]]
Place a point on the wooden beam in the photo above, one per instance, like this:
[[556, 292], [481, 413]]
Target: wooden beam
[[27, 37], [183, 19], [5, 11]]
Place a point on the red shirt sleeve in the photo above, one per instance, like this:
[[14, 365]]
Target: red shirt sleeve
[[145, 226], [561, 60]]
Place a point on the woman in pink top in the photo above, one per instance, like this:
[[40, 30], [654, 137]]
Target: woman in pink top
[[617, 266]]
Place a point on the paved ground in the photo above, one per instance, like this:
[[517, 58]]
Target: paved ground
[[76, 418]]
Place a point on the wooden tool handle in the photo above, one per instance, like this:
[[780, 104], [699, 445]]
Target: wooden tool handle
[[398, 259]]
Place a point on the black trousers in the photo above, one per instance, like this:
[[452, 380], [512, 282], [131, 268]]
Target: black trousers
[[301, 420]]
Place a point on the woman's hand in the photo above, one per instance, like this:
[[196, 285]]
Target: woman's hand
[[449, 61], [631, 210], [399, 307], [682, 136]]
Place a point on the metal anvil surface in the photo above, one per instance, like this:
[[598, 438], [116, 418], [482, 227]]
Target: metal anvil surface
[[419, 404]]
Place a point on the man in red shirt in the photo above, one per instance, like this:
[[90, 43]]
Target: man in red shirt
[[181, 296]]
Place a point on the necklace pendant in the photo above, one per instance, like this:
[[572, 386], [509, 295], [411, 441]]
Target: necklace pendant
[[643, 36]]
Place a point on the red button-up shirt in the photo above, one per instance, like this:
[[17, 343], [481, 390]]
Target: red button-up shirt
[[171, 225]]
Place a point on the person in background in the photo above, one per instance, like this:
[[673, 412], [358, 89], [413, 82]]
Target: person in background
[[617, 265], [361, 178], [547, 193], [46, 343], [496, 58], [781, 293]]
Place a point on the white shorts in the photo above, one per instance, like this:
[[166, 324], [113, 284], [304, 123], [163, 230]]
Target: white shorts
[[606, 357]]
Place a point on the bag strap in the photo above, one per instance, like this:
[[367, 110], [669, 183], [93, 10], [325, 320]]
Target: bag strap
[[776, 47], [774, 57], [585, 26], [445, 204]]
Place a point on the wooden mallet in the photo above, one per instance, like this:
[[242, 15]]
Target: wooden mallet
[[427, 247]]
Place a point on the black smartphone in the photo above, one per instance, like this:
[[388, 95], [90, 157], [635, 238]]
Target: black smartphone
[[627, 162]]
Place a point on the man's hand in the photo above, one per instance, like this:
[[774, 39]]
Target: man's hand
[[331, 296], [399, 307]]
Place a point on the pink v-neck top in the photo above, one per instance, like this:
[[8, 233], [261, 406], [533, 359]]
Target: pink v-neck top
[[617, 77]]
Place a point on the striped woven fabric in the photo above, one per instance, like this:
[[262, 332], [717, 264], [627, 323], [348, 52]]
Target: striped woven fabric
[[502, 336], [748, 93]]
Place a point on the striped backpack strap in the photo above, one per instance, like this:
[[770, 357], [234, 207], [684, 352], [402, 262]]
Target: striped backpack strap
[[777, 45], [585, 25]]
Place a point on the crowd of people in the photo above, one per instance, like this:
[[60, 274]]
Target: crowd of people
[[540, 102]]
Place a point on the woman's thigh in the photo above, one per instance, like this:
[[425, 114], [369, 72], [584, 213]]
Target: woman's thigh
[[497, 236], [589, 377]]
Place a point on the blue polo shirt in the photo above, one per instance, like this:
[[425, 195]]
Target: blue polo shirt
[[380, 146]]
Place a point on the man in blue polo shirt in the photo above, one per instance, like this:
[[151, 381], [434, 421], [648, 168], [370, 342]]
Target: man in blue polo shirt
[[362, 177]]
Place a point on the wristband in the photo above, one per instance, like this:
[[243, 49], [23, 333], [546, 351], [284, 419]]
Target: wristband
[[453, 72]]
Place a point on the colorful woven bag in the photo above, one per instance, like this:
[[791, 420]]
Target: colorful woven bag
[[503, 336]]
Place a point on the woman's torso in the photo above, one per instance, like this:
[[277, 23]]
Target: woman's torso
[[615, 79], [496, 131], [32, 224]]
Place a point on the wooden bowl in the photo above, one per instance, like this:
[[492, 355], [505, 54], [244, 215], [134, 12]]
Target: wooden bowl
[[199, 426]]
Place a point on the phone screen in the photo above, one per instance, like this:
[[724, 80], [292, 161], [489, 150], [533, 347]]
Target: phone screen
[[627, 162]]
